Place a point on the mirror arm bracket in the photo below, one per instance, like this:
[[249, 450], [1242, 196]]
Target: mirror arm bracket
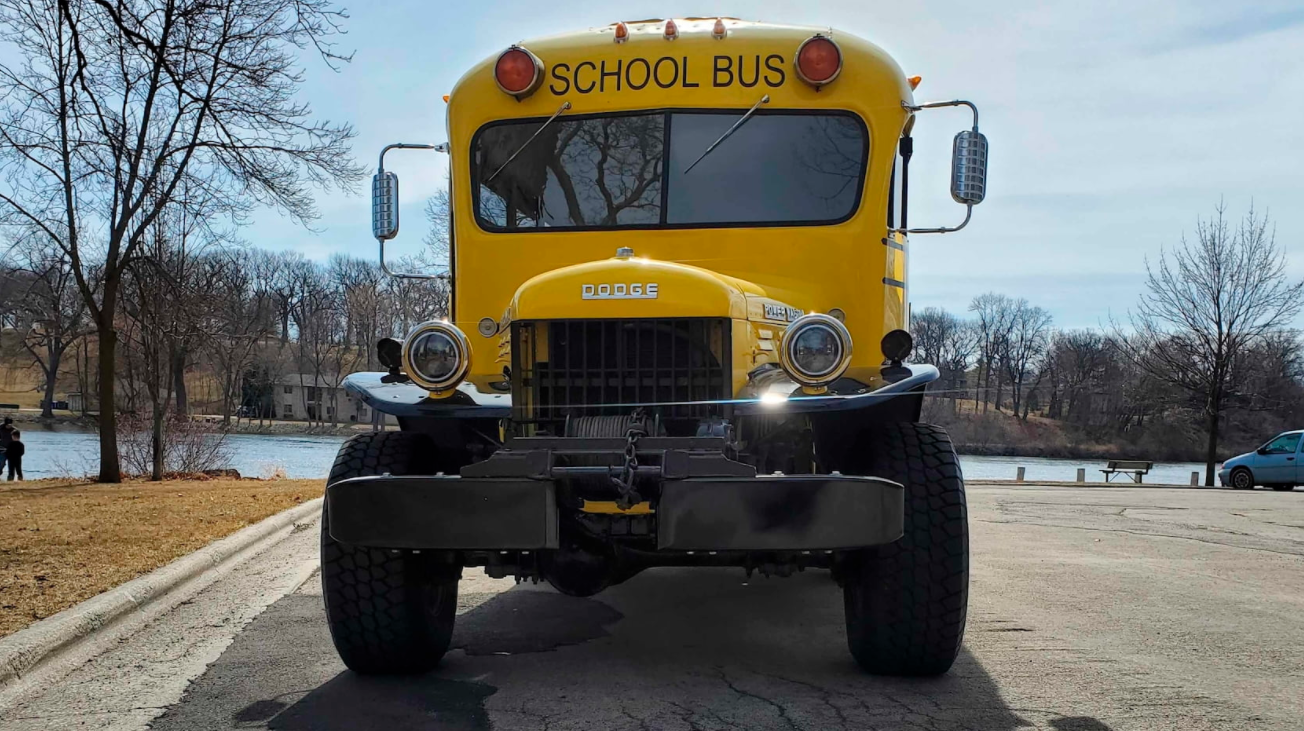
[[937, 105], [968, 212]]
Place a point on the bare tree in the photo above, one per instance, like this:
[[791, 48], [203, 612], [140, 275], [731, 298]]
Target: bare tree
[[241, 320], [1208, 304], [111, 107], [1075, 368], [1021, 351], [439, 237], [995, 318], [947, 342], [168, 298], [47, 309]]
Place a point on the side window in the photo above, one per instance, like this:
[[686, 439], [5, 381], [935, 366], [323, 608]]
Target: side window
[[1284, 444]]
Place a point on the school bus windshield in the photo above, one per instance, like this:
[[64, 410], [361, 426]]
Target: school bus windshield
[[628, 170]]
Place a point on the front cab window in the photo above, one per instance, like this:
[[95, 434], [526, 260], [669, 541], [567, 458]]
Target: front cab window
[[628, 171]]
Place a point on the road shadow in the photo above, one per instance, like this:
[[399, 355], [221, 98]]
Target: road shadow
[[671, 649]]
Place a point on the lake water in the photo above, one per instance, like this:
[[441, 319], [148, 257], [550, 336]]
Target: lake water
[[68, 453], [64, 453]]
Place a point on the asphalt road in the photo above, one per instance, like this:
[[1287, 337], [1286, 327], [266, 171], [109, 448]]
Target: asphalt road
[[1091, 609]]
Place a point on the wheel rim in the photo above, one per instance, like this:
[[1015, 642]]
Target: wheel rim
[[1241, 480]]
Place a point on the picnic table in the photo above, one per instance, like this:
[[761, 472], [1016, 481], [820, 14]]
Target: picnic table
[[1135, 469]]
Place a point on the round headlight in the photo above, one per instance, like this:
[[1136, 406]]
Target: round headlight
[[437, 356], [816, 350]]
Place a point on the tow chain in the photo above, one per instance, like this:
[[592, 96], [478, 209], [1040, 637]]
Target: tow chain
[[624, 484]]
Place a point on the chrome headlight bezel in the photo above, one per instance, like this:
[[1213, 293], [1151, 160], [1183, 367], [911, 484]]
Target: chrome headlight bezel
[[460, 343], [787, 356]]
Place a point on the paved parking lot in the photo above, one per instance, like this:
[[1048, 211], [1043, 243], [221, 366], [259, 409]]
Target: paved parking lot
[[1091, 608]]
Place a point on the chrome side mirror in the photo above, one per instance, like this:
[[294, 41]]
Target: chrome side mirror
[[969, 168], [384, 205]]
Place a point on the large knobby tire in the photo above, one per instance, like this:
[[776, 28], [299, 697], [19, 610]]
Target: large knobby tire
[[906, 601], [388, 611], [1242, 479]]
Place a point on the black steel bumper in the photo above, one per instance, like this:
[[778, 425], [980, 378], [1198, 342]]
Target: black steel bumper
[[761, 513]]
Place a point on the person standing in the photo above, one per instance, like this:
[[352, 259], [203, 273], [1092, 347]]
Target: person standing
[[14, 455], [6, 435]]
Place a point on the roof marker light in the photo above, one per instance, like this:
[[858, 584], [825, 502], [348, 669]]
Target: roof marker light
[[445, 98], [818, 60], [672, 30], [914, 82], [622, 32], [518, 72], [719, 32]]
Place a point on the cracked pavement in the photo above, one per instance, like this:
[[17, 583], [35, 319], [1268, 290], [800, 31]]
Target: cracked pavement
[[1090, 609]]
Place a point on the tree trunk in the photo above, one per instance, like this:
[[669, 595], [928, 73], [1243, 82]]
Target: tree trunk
[[157, 443], [110, 467], [53, 355], [1211, 452], [179, 381], [228, 395]]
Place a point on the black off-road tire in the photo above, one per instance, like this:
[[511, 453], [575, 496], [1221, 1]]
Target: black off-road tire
[[906, 602], [1241, 479], [389, 612]]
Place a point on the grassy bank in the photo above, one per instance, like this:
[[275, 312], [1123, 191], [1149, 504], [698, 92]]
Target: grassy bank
[[1000, 434], [64, 541]]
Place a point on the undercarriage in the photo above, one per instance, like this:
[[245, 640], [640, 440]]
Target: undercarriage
[[553, 507]]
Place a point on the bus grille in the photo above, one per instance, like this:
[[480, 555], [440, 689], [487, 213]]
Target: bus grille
[[564, 368]]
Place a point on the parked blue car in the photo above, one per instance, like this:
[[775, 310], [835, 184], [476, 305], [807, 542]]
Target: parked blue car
[[1276, 464]]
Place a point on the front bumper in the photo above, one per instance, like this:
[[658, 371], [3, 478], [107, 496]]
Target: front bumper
[[701, 503], [774, 396]]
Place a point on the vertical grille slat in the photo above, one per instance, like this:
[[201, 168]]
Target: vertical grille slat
[[574, 368]]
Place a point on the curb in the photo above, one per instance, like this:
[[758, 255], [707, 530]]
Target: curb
[[24, 650], [993, 482]]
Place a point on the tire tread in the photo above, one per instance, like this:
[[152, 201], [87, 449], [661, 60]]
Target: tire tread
[[388, 612], [907, 602]]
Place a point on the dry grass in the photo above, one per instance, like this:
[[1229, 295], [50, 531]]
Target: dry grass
[[63, 541]]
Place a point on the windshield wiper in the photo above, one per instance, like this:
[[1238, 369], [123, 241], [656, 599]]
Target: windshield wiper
[[764, 100], [542, 127]]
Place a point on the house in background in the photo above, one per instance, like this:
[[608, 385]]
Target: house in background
[[304, 397]]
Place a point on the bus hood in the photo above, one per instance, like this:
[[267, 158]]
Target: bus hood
[[633, 287]]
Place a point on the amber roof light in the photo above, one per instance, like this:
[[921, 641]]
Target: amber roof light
[[818, 61], [518, 72]]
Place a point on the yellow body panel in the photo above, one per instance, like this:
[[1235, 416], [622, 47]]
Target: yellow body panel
[[706, 272]]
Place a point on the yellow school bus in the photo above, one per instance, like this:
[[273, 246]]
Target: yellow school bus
[[679, 336]]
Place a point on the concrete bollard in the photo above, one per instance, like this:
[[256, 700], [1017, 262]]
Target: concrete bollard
[[1082, 474], [1020, 476], [1195, 479]]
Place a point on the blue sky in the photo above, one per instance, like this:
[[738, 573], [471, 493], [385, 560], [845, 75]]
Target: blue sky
[[1113, 126]]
